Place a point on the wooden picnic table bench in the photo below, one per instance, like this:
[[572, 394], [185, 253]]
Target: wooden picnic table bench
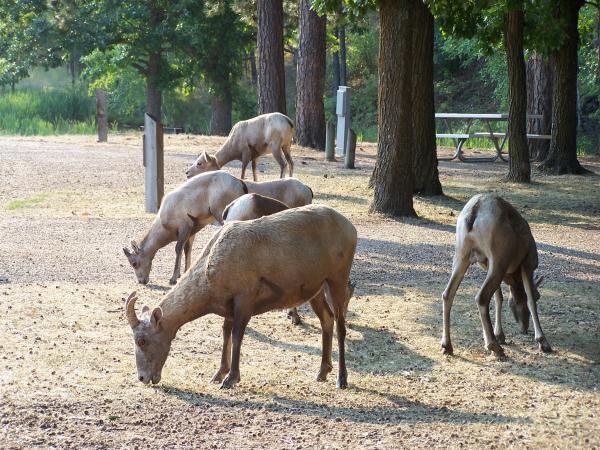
[[498, 138]]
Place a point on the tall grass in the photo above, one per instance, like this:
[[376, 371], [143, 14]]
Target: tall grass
[[47, 111]]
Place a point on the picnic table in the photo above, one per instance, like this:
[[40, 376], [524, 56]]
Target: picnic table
[[497, 137]]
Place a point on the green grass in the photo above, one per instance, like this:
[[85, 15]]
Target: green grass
[[30, 202], [46, 112]]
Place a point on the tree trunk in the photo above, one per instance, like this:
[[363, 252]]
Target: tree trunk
[[271, 77], [392, 178], [153, 92], [343, 52], [101, 118], [310, 80], [598, 78], [539, 101], [220, 123], [426, 175], [562, 157], [336, 71], [518, 166], [253, 68]]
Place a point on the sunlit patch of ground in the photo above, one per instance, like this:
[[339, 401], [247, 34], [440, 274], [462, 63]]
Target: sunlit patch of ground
[[67, 370]]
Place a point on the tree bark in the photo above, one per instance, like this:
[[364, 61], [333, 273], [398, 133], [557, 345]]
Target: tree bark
[[539, 101], [562, 157], [271, 77], [343, 55], [336, 71], [220, 123], [518, 166], [310, 80], [392, 178], [153, 91], [426, 176], [253, 68], [598, 77]]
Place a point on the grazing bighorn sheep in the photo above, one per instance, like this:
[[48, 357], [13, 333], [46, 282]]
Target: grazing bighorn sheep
[[183, 212], [250, 139], [254, 206], [290, 191], [225, 282], [491, 232]]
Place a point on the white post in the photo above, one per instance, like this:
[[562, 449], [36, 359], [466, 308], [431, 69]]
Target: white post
[[342, 110], [153, 162]]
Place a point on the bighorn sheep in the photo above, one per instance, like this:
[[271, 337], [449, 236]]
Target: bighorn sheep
[[183, 212], [290, 191], [254, 206], [250, 139], [491, 232], [222, 282]]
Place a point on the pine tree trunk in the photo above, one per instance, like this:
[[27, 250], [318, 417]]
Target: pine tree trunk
[[562, 157], [253, 68], [539, 101], [336, 71], [310, 80], [598, 77], [153, 92], [426, 181], [392, 178], [343, 53], [271, 77], [518, 166], [220, 123]]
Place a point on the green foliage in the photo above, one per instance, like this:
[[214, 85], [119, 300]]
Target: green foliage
[[48, 111]]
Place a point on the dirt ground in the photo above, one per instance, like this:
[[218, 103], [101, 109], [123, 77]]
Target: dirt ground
[[67, 369]]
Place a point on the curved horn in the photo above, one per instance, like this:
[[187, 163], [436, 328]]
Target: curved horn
[[130, 310], [135, 246]]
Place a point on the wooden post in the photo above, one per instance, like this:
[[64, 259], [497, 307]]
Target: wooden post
[[101, 119], [329, 142], [350, 149], [153, 162]]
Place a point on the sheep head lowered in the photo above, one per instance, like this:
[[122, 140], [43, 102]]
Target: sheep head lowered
[[152, 341], [518, 301], [140, 262], [204, 163]]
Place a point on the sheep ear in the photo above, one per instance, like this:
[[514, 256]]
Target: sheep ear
[[213, 158], [145, 309], [127, 252], [135, 247], [156, 316], [204, 155]]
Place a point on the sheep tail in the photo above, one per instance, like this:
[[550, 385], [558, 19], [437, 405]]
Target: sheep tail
[[289, 121], [472, 216]]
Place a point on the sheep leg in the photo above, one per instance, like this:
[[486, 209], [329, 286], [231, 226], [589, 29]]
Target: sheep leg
[[490, 285], [338, 292], [498, 331], [288, 157], [325, 316], [293, 314], [245, 161], [459, 268], [240, 320], [275, 148], [532, 305], [226, 355], [254, 176], [187, 250], [182, 236]]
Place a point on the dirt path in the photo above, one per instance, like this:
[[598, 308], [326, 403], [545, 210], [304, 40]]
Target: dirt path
[[67, 370]]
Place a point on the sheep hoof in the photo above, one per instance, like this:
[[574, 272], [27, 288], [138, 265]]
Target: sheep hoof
[[342, 383], [447, 349], [218, 377], [544, 345], [322, 376], [498, 351], [229, 382], [173, 281]]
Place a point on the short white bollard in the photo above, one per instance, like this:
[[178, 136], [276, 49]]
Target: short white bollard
[[342, 110]]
